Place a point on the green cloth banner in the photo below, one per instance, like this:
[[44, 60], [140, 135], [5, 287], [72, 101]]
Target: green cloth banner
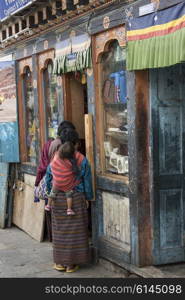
[[156, 40], [73, 62]]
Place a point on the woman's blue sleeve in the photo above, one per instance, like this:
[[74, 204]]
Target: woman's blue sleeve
[[87, 179], [48, 178]]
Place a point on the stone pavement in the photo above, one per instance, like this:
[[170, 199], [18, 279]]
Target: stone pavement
[[23, 257]]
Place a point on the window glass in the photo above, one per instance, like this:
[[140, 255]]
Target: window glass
[[51, 102], [29, 116], [114, 100]]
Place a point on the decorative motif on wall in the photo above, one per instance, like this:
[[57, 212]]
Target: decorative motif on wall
[[106, 22], [46, 45], [112, 34], [25, 52], [59, 80], [34, 49], [27, 62], [157, 2], [72, 33], [35, 83], [89, 72], [44, 57]]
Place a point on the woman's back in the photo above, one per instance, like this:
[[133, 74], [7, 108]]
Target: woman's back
[[64, 176]]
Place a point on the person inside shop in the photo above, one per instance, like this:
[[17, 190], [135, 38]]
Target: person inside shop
[[70, 232]]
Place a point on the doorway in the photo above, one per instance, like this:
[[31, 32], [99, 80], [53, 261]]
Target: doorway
[[75, 108], [75, 103]]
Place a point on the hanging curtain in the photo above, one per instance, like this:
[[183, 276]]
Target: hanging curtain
[[156, 40], [73, 54]]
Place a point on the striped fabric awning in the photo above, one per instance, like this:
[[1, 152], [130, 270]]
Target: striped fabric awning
[[73, 54], [156, 40]]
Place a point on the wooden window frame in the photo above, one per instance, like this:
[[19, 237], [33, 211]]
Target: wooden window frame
[[42, 61], [23, 64], [100, 43]]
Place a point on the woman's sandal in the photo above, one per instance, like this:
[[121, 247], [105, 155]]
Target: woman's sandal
[[72, 270], [59, 267]]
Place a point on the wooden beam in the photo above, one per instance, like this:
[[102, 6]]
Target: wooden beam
[[90, 146], [143, 166]]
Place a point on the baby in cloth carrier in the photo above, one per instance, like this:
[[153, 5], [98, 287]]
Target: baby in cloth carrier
[[66, 152]]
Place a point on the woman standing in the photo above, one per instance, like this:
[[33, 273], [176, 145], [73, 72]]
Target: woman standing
[[70, 232], [48, 151]]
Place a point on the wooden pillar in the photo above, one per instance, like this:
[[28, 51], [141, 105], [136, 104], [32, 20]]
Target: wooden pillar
[[36, 18], [7, 32], [20, 24], [13, 29], [44, 13], [54, 8], [139, 168]]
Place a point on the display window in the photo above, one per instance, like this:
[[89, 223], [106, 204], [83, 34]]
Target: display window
[[51, 100], [29, 121], [112, 106]]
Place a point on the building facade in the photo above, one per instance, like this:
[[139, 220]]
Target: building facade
[[70, 63]]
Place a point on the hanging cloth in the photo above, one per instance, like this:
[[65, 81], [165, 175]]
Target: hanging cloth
[[73, 54], [156, 40]]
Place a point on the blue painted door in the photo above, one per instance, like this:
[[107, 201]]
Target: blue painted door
[[168, 160], [9, 145]]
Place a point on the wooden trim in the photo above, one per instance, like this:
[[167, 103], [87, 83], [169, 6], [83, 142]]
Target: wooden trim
[[104, 38], [98, 106], [42, 60], [100, 42], [67, 97], [40, 106], [23, 149], [90, 146], [44, 57], [22, 64]]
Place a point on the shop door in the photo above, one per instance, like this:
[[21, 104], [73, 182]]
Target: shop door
[[168, 157], [75, 103], [75, 108]]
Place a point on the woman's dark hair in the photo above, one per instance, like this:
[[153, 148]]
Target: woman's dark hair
[[63, 125], [69, 135]]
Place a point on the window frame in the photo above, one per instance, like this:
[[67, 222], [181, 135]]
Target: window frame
[[42, 61], [101, 42], [22, 66]]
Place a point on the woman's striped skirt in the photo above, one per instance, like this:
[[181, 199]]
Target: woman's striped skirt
[[70, 233]]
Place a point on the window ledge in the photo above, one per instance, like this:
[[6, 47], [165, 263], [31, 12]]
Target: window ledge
[[113, 184]]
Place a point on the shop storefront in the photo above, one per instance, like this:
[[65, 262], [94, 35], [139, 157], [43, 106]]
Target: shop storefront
[[78, 70]]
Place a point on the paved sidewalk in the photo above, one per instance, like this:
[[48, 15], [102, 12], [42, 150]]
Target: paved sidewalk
[[23, 257]]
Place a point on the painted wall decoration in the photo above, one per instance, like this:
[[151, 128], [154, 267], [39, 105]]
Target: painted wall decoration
[[9, 7], [7, 92]]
